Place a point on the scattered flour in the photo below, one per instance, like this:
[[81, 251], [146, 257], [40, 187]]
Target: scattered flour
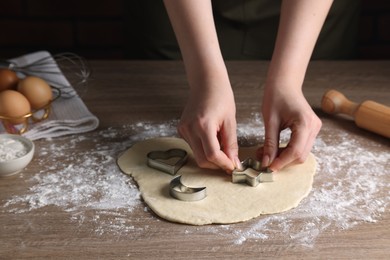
[[350, 186]]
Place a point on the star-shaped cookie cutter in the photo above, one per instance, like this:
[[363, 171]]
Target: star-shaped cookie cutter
[[252, 173]]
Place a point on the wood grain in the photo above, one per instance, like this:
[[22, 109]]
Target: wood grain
[[124, 92]]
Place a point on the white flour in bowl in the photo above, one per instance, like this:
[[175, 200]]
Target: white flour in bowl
[[349, 189], [11, 149]]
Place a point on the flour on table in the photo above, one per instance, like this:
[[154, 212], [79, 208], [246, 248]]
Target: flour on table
[[350, 187]]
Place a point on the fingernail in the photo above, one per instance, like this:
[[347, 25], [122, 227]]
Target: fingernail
[[238, 164], [265, 161]]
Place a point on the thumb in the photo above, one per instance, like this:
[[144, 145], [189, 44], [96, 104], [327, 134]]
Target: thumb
[[271, 144], [229, 142]]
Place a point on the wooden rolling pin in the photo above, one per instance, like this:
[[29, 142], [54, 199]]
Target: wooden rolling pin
[[368, 115]]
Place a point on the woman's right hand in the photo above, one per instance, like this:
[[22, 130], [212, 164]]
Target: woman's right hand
[[208, 124], [208, 121]]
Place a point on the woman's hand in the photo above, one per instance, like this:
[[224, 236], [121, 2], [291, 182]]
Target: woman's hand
[[208, 124], [287, 108], [284, 105]]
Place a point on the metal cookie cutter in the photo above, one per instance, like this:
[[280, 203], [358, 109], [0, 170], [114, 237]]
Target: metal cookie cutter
[[159, 160], [182, 192], [252, 173]]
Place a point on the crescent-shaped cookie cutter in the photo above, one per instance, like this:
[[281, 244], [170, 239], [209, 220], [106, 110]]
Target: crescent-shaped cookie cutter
[[261, 174], [157, 160], [182, 192]]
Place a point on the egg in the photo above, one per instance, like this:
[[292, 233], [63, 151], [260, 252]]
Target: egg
[[14, 105], [8, 79], [36, 90]]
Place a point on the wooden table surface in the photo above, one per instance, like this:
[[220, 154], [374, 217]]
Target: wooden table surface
[[130, 98]]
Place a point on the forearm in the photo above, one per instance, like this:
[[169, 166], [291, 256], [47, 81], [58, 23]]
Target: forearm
[[194, 27], [300, 24]]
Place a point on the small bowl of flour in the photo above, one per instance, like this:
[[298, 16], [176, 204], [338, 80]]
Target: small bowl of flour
[[16, 153]]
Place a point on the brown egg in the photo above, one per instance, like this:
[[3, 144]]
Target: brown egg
[[36, 90], [8, 79], [13, 104]]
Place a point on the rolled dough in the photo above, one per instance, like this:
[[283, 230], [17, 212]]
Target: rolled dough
[[226, 202]]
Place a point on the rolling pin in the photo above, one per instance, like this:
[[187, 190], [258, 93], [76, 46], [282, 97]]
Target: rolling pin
[[368, 115]]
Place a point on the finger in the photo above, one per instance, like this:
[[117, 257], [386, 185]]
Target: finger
[[197, 148], [213, 152], [309, 135], [309, 143], [271, 143], [294, 152], [229, 142], [200, 155], [260, 152]]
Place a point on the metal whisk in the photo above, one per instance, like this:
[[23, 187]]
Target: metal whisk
[[65, 71]]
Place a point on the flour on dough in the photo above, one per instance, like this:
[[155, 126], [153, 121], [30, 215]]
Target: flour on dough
[[226, 202]]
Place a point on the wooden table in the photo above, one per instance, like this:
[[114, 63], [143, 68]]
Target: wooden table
[[126, 94]]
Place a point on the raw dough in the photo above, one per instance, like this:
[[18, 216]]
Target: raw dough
[[226, 202]]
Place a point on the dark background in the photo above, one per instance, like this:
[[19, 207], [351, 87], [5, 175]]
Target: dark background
[[99, 29]]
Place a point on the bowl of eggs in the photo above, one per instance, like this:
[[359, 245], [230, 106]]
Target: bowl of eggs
[[16, 152], [23, 98]]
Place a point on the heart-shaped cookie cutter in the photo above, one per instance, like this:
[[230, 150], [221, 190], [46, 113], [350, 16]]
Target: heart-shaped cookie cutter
[[182, 192], [263, 174], [155, 159]]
